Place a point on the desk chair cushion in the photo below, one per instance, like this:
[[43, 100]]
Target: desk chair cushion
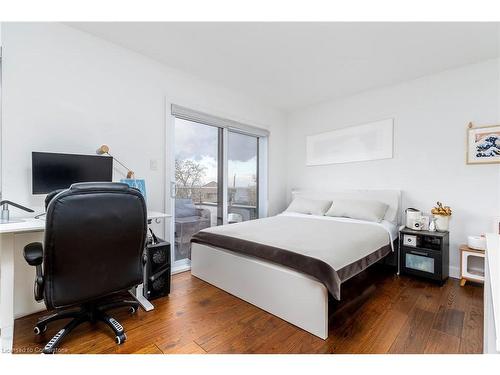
[[94, 239]]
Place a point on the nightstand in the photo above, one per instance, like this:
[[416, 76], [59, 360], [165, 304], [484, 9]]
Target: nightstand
[[425, 254]]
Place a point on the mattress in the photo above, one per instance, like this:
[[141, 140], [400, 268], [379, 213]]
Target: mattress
[[330, 249]]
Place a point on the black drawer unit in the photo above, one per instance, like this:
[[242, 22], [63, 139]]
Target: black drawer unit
[[424, 254]]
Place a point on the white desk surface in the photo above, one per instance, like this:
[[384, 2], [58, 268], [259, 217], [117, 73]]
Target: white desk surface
[[35, 225], [26, 225], [493, 254], [157, 215]]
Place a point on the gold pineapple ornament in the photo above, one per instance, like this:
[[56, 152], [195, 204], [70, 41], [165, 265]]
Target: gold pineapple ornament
[[442, 216], [439, 209]]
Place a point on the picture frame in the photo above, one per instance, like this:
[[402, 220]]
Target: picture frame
[[483, 144], [364, 142], [139, 184], [496, 225]]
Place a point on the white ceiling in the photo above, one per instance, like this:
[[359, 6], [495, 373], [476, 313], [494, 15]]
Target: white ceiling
[[292, 65]]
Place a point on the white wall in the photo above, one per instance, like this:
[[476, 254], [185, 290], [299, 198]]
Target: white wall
[[498, 116], [67, 91], [430, 117]]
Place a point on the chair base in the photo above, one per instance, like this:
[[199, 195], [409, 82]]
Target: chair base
[[87, 313]]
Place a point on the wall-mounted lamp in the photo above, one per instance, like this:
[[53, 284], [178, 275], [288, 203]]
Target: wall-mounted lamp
[[104, 150]]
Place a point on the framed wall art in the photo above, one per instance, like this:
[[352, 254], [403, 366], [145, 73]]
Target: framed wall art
[[370, 141], [483, 144]]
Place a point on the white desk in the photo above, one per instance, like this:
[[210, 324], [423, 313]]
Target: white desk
[[13, 238], [491, 325]]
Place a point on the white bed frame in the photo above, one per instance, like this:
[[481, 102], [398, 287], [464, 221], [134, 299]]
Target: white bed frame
[[293, 296], [281, 291]]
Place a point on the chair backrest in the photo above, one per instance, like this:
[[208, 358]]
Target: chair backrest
[[184, 207], [94, 239]]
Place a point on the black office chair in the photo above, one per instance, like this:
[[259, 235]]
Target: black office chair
[[94, 240]]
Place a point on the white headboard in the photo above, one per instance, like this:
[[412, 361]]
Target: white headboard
[[389, 197]]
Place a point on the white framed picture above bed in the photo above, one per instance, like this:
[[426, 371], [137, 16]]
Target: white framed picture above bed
[[369, 141]]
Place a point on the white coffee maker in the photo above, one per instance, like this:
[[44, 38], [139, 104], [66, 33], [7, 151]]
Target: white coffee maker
[[413, 219]]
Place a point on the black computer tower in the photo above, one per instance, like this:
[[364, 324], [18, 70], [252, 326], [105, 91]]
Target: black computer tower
[[157, 269]]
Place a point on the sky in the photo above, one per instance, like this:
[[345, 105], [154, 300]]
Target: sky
[[198, 142]]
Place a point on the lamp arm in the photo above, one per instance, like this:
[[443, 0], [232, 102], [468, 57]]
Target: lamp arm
[[130, 172], [119, 162]]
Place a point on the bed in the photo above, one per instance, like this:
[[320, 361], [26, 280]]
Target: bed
[[289, 264]]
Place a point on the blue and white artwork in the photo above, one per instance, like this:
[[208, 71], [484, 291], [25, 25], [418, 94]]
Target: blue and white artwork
[[484, 145], [488, 146], [136, 183]]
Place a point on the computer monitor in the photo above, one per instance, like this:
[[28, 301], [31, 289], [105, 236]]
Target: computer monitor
[[51, 171]]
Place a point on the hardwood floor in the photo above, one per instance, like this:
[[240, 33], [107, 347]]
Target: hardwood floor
[[393, 315]]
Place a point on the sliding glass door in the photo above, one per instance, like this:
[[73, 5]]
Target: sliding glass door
[[217, 168], [198, 188], [243, 177]]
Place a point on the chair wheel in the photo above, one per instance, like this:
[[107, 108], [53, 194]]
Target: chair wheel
[[132, 310], [48, 351], [40, 329], [120, 339]]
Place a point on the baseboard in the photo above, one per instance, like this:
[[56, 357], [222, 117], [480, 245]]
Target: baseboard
[[42, 307], [180, 269], [454, 272]]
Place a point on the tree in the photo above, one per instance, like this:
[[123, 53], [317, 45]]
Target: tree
[[188, 176]]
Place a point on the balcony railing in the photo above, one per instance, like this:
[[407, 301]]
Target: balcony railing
[[242, 212], [239, 211], [185, 229]]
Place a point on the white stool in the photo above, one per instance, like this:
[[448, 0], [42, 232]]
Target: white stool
[[466, 272]]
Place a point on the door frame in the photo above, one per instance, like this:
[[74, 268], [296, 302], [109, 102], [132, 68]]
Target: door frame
[[169, 155], [169, 193]]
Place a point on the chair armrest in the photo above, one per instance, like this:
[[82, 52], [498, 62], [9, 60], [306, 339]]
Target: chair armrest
[[203, 212], [33, 253], [203, 223]]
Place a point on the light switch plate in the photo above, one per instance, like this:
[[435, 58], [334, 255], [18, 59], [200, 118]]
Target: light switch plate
[[153, 164]]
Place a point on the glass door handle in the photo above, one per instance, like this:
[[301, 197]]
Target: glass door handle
[[173, 189]]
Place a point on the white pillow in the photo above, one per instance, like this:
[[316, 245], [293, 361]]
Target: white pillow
[[358, 209], [309, 206]]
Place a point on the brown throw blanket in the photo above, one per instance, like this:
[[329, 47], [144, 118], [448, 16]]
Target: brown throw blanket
[[331, 251]]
